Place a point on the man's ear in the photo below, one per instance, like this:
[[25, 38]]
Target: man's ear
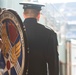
[[24, 15], [38, 17]]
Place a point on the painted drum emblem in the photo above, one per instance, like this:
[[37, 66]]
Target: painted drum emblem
[[13, 51], [8, 65]]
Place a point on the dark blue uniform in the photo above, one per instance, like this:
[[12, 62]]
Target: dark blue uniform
[[42, 49]]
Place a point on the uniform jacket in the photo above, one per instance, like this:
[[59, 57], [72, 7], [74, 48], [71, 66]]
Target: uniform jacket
[[42, 49]]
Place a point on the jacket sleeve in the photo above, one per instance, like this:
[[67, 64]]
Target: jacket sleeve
[[52, 58]]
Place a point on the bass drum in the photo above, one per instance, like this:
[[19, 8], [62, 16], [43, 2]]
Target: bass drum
[[12, 55]]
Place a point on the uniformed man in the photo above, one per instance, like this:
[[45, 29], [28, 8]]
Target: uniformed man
[[42, 43]]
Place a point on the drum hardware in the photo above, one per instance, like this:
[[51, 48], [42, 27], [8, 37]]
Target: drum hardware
[[1, 10]]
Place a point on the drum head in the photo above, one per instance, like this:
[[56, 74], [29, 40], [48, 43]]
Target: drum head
[[12, 55]]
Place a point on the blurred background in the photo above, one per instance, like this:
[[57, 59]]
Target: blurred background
[[61, 17]]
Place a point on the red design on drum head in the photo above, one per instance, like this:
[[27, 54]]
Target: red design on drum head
[[8, 65], [13, 33]]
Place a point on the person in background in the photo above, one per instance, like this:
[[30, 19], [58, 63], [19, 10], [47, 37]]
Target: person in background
[[42, 43]]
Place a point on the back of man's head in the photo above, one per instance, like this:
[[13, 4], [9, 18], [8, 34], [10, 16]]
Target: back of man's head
[[33, 13]]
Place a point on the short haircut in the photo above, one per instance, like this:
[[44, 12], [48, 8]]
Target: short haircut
[[31, 12]]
